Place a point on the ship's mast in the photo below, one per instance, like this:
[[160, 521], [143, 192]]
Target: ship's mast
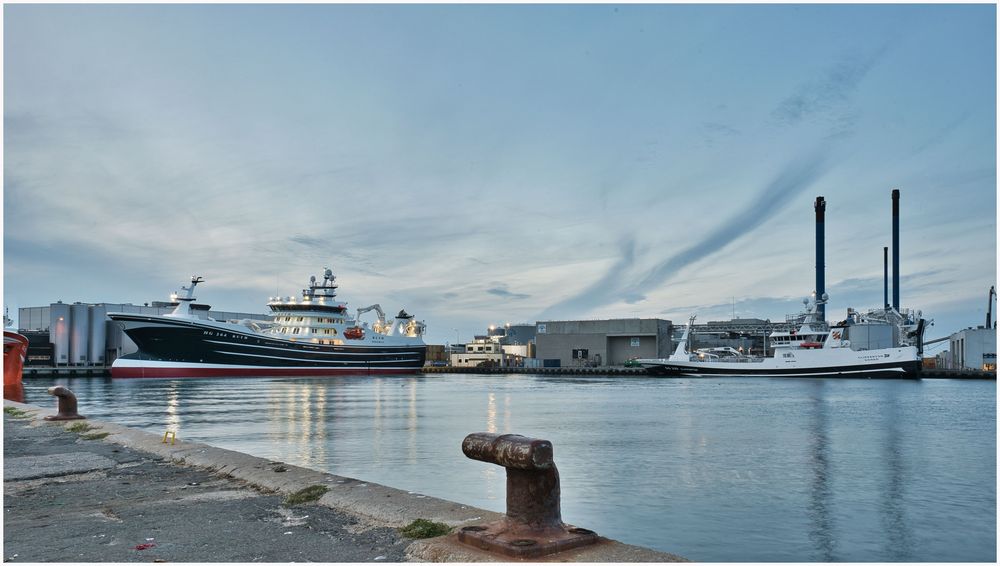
[[183, 307]]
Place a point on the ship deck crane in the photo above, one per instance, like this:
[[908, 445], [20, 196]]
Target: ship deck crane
[[377, 308]]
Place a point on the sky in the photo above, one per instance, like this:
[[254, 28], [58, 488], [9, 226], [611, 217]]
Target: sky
[[482, 165]]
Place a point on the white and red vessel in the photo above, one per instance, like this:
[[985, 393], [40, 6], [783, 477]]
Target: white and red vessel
[[809, 351], [309, 336]]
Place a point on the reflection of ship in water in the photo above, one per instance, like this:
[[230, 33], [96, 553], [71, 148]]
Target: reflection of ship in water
[[898, 538], [821, 531], [888, 480]]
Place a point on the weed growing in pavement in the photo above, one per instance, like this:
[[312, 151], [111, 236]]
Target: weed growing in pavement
[[78, 427], [422, 528], [95, 435], [311, 493]]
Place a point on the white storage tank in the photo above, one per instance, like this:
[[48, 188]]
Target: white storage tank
[[59, 321], [78, 330], [98, 333]]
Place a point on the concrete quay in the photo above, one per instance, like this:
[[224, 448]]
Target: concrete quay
[[599, 370], [115, 494]]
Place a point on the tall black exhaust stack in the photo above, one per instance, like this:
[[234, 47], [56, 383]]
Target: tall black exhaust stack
[[820, 259], [885, 277], [895, 249]]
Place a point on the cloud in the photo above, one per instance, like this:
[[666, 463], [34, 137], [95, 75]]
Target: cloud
[[501, 291], [717, 128], [941, 134], [828, 96], [310, 242], [600, 292], [795, 178]]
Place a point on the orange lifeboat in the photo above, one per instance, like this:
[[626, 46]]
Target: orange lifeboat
[[354, 333], [811, 345]]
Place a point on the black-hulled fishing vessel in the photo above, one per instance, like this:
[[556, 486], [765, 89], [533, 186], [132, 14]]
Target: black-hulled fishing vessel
[[309, 336]]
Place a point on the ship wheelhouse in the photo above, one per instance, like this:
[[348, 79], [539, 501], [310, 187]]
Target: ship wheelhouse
[[806, 339], [317, 317]]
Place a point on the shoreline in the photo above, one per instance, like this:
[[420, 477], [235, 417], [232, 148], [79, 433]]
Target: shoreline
[[609, 371]]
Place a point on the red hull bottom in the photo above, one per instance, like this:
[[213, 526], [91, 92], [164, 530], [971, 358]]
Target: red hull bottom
[[164, 372]]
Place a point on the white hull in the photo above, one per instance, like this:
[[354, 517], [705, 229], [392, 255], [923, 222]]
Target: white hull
[[823, 362]]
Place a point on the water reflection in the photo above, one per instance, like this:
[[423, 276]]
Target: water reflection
[[378, 426], [412, 423], [297, 414], [506, 413], [173, 404], [491, 412], [893, 511], [821, 531], [489, 473]]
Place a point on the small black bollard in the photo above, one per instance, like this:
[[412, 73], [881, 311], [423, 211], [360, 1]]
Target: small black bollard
[[533, 525], [66, 405]]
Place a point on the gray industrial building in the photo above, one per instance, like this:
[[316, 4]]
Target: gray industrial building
[[602, 342], [81, 334], [974, 348]]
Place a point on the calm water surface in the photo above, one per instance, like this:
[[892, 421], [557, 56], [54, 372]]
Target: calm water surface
[[713, 469]]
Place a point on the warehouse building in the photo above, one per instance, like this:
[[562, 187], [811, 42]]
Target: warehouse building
[[602, 342], [81, 334], [974, 348]]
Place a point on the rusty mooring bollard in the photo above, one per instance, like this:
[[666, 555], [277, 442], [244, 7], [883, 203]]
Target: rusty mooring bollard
[[66, 405], [533, 526]]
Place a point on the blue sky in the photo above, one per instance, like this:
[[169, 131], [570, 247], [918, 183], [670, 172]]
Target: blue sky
[[491, 164]]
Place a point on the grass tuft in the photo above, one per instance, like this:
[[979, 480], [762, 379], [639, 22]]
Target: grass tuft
[[95, 435], [78, 427], [309, 494], [16, 413], [422, 528]]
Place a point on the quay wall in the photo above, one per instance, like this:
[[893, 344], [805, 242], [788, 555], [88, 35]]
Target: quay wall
[[373, 504]]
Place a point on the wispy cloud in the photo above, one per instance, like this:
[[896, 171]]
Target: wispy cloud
[[600, 292], [502, 292], [797, 176], [828, 96]]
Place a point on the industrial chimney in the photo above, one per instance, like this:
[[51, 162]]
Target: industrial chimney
[[820, 260], [885, 277], [895, 249]]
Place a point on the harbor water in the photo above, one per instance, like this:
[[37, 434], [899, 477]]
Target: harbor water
[[713, 469]]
